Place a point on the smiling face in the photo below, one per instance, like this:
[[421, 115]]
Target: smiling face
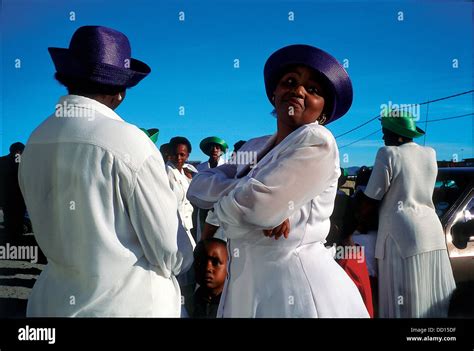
[[298, 97]]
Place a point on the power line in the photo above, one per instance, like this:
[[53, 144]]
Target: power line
[[430, 121], [444, 119], [378, 130], [421, 103]]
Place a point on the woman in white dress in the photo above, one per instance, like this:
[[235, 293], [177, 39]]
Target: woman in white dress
[[415, 275], [289, 192], [180, 177]]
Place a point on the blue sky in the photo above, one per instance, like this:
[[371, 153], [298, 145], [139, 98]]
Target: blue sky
[[404, 61]]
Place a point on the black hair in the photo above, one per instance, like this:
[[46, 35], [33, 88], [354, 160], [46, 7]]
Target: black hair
[[200, 245], [395, 136], [17, 147], [363, 176], [175, 141], [238, 145], [80, 86]]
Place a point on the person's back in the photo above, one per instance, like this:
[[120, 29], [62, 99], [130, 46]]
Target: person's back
[[411, 172], [79, 177], [98, 194]]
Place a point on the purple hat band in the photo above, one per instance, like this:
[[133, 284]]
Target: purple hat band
[[334, 77], [101, 55]]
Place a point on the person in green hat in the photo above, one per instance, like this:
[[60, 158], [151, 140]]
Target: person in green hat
[[213, 147], [415, 275], [152, 133]]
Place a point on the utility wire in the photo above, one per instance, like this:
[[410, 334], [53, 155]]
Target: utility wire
[[430, 121], [421, 103]]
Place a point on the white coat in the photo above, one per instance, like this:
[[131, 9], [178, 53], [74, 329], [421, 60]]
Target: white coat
[[294, 277], [103, 214]]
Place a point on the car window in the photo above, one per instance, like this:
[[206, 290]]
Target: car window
[[446, 192]]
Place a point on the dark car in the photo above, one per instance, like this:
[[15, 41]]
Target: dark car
[[454, 202]]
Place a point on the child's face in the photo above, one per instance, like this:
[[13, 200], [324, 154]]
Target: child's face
[[211, 266]]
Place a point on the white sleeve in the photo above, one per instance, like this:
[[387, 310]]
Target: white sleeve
[[381, 176], [152, 208], [209, 185], [281, 188], [212, 219]]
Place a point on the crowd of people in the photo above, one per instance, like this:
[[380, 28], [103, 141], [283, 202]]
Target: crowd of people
[[130, 230]]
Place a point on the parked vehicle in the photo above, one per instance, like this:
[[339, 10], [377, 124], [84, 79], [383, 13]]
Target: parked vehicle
[[454, 201]]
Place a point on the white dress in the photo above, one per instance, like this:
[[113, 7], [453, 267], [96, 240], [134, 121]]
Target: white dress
[[294, 277], [415, 275]]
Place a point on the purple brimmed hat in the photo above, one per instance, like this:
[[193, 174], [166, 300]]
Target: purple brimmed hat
[[102, 55], [334, 77]]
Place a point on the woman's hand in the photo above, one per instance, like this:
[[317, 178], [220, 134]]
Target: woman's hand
[[188, 173], [277, 232]]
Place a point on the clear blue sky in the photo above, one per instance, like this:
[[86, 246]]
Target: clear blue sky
[[192, 63]]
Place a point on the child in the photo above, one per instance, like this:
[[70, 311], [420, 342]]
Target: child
[[210, 267]]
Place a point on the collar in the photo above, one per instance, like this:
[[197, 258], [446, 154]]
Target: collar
[[88, 104]]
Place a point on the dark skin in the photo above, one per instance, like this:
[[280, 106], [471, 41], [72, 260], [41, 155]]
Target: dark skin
[[216, 152], [179, 156], [298, 100], [210, 267], [111, 101]]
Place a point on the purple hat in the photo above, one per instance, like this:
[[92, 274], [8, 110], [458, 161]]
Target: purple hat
[[101, 55], [333, 76]]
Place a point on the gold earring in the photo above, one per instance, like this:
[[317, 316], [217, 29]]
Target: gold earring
[[322, 119]]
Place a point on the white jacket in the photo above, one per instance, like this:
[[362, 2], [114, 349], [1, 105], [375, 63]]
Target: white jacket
[[103, 214], [294, 277]]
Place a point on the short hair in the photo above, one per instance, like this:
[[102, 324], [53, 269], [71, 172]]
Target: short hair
[[174, 142], [200, 245], [81, 86], [17, 147]]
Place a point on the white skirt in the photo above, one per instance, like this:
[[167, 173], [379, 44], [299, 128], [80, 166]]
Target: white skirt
[[419, 286]]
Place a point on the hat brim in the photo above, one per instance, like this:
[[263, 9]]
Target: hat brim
[[151, 133], [398, 129], [334, 77], [206, 143], [68, 64]]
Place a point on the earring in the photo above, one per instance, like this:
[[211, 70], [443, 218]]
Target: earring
[[120, 97], [273, 98], [322, 119]]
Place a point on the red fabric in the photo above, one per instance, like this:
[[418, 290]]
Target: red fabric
[[357, 270]]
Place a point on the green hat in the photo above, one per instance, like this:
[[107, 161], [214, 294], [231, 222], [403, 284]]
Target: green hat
[[401, 123], [206, 143], [152, 133]]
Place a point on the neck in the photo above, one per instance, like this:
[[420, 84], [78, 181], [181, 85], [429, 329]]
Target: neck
[[213, 162], [283, 131], [103, 99]]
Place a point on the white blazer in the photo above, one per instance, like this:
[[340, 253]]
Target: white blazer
[[294, 277], [104, 215]]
